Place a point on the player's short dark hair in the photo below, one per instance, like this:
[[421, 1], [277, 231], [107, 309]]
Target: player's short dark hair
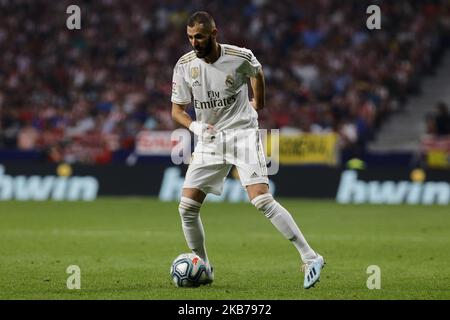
[[201, 17]]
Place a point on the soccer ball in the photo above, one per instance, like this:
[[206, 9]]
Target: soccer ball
[[188, 270]]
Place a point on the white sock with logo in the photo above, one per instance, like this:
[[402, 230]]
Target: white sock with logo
[[284, 222], [192, 226]]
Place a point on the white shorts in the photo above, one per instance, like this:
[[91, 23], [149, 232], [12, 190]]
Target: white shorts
[[212, 160]]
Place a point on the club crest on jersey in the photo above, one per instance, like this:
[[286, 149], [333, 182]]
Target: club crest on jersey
[[195, 72], [229, 81]]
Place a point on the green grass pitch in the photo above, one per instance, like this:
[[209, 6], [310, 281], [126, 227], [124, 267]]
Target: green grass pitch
[[124, 248]]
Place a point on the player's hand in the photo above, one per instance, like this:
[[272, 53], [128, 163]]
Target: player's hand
[[204, 131]]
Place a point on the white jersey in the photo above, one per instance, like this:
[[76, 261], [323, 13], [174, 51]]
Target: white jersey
[[219, 90]]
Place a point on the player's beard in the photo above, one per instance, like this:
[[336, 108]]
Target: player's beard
[[205, 51]]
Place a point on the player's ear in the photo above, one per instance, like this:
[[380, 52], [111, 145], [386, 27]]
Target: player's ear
[[214, 32]]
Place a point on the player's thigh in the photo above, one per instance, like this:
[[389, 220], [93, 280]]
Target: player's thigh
[[207, 178], [255, 190], [251, 164], [253, 178]]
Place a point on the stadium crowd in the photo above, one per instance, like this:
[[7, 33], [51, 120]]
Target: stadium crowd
[[80, 95], [438, 122]]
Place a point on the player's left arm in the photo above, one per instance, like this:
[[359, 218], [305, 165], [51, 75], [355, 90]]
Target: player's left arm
[[258, 87]]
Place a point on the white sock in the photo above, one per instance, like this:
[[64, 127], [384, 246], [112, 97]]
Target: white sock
[[192, 226], [284, 222]]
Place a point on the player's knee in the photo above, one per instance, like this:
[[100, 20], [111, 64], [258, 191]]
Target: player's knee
[[265, 203], [188, 208]]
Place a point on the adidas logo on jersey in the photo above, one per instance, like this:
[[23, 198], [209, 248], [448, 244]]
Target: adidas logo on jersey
[[254, 175], [196, 83]]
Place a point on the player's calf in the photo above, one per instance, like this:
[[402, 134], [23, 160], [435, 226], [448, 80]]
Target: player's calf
[[284, 222], [192, 226]]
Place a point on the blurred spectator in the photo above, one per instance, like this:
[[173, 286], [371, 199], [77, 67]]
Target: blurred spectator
[[27, 137], [438, 123], [442, 119], [430, 124]]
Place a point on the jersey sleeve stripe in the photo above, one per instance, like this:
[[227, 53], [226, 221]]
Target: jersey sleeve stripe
[[248, 55], [238, 51], [187, 57], [186, 60], [238, 55]]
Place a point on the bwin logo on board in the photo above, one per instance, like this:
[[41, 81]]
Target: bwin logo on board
[[38, 188], [352, 190]]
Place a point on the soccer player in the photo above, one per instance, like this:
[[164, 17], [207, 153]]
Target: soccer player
[[215, 75]]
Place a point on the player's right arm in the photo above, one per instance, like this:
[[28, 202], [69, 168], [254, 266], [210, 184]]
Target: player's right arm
[[180, 115], [181, 98]]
